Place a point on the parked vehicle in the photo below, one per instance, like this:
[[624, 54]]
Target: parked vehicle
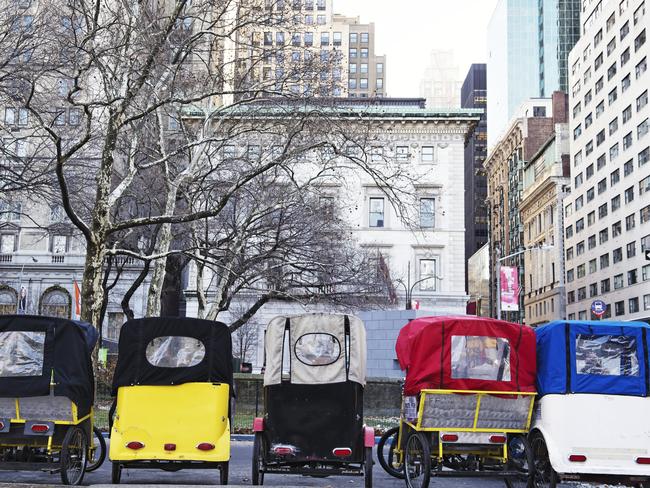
[[592, 420], [467, 401], [313, 399], [46, 397], [173, 384]]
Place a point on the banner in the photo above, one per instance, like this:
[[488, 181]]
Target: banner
[[77, 299], [509, 289]]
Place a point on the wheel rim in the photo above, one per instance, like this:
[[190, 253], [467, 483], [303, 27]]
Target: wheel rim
[[75, 457], [543, 469], [416, 461], [518, 461]]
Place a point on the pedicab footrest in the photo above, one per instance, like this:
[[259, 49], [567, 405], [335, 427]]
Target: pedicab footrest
[[476, 410]]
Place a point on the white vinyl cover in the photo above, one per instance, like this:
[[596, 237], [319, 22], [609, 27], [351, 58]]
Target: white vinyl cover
[[317, 349]]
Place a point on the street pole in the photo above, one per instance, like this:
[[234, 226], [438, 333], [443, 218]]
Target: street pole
[[498, 271]]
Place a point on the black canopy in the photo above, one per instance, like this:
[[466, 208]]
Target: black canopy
[[210, 362], [35, 349]]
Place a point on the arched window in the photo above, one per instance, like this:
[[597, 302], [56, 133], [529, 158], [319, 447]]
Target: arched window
[[8, 300], [56, 302]]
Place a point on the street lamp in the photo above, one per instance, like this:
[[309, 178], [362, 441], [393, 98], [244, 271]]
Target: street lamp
[[408, 288]]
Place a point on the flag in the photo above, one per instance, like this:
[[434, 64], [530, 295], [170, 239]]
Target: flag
[[77, 299]]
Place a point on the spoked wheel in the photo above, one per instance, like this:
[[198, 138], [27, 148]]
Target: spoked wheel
[[367, 467], [74, 456], [417, 460], [258, 459], [545, 476], [223, 474], [116, 473], [386, 456], [97, 451], [520, 459]]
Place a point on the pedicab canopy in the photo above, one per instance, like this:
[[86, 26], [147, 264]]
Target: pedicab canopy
[[315, 349], [36, 351], [173, 350], [593, 357], [466, 353]]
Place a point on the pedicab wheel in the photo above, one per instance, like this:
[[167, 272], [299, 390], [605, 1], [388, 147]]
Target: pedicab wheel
[[520, 459], [116, 473], [387, 458], [367, 467], [545, 476], [417, 460], [258, 459], [223, 474], [74, 451], [98, 453]]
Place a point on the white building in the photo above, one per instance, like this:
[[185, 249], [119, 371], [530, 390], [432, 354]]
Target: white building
[[607, 224], [441, 82]]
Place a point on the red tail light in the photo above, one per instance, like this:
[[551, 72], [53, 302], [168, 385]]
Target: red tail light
[[449, 437], [205, 446], [40, 428], [577, 458], [342, 452], [135, 445], [643, 460], [498, 439], [283, 450], [2, 425], [170, 447]]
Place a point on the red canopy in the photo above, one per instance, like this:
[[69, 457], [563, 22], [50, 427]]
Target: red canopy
[[466, 353]]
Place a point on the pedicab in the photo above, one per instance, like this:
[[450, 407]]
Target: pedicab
[[46, 397], [592, 419], [313, 399], [172, 388], [467, 400]]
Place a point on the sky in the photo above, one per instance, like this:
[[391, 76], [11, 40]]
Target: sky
[[407, 30]]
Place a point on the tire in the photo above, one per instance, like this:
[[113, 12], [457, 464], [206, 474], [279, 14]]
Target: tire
[[74, 455], [520, 459], [257, 476], [116, 473], [223, 474], [99, 453], [387, 458], [417, 460], [544, 476], [367, 467]]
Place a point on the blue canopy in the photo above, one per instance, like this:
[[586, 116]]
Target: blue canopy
[[593, 357]]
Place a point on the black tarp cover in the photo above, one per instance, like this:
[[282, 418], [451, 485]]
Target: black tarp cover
[[66, 353], [133, 368]]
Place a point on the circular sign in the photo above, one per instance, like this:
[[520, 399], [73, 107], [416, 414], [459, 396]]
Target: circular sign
[[598, 308]]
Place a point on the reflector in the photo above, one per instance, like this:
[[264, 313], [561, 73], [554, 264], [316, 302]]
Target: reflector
[[577, 458], [135, 445], [342, 451], [643, 460], [283, 450], [449, 437], [40, 428], [205, 446], [170, 447], [498, 439]]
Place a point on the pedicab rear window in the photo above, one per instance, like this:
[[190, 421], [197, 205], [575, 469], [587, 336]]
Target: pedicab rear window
[[480, 358], [317, 349], [175, 352], [608, 355], [21, 353]]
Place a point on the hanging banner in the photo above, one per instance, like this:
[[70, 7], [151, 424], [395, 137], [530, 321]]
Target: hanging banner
[[509, 289]]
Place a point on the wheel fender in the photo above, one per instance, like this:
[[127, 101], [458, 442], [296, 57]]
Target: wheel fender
[[368, 436], [258, 424], [551, 447]]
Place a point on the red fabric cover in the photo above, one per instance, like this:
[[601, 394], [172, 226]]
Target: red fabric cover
[[424, 345]]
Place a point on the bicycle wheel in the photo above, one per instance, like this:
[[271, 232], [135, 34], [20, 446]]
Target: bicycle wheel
[[386, 456], [74, 456], [98, 452], [417, 460]]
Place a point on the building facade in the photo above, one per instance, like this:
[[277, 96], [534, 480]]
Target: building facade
[[441, 81], [528, 47], [474, 95], [478, 282], [607, 216]]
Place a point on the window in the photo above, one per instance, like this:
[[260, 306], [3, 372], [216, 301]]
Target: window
[[590, 171], [613, 126], [363, 83], [590, 194], [632, 277], [645, 214], [616, 203], [633, 305], [354, 38], [645, 272], [642, 129], [598, 37], [593, 290], [591, 242], [338, 39], [364, 68], [591, 218], [10, 211], [427, 213], [644, 156], [630, 249], [607, 355], [321, 20], [603, 236], [598, 62], [602, 185], [402, 153], [576, 110], [580, 248], [605, 286], [644, 185], [364, 52], [570, 276], [578, 180], [324, 38], [617, 255], [309, 40], [613, 152], [602, 211], [630, 222], [352, 83], [617, 229], [600, 162], [619, 308], [641, 68], [480, 357], [604, 262], [618, 281], [571, 297], [611, 45], [639, 41], [628, 167], [579, 202], [376, 215], [639, 13], [253, 152], [642, 101], [25, 351], [175, 352], [364, 37], [646, 302], [588, 98], [569, 232], [427, 154], [427, 274], [380, 68], [379, 83], [16, 116], [577, 131], [8, 243], [612, 96], [625, 57], [629, 194], [353, 53], [600, 137], [614, 177], [589, 147], [611, 71], [580, 271], [627, 141], [625, 84], [569, 254]]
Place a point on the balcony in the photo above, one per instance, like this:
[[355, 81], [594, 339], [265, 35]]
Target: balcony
[[6, 258]]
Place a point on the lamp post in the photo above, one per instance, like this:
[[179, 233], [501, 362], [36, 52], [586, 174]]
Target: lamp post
[[408, 288]]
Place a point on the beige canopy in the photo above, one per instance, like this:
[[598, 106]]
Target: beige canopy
[[315, 349]]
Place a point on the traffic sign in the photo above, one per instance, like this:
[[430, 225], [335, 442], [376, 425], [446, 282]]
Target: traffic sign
[[647, 255], [598, 308]]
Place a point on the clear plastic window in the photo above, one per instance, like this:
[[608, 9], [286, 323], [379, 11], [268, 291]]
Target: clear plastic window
[[608, 355], [480, 358], [175, 352], [317, 349], [21, 353]]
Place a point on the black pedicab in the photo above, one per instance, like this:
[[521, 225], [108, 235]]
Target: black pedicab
[[313, 399], [46, 397]]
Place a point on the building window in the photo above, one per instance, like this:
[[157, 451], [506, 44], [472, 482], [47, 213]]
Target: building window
[[618, 281], [603, 236], [642, 100], [630, 222], [632, 277], [605, 286], [630, 249], [617, 255], [619, 308], [353, 53], [644, 156], [402, 153], [427, 213], [639, 41], [645, 214], [363, 83], [627, 113], [364, 52], [354, 38], [617, 229], [646, 302], [380, 68], [376, 214], [427, 154], [428, 274], [642, 129], [602, 211], [338, 39], [364, 37], [641, 68], [612, 96], [604, 261], [379, 83], [629, 194]]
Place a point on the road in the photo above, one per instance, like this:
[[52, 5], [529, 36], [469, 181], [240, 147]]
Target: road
[[240, 472]]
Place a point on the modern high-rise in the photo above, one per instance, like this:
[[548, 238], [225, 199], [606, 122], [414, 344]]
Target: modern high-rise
[[528, 46], [607, 216], [474, 95], [441, 81]]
